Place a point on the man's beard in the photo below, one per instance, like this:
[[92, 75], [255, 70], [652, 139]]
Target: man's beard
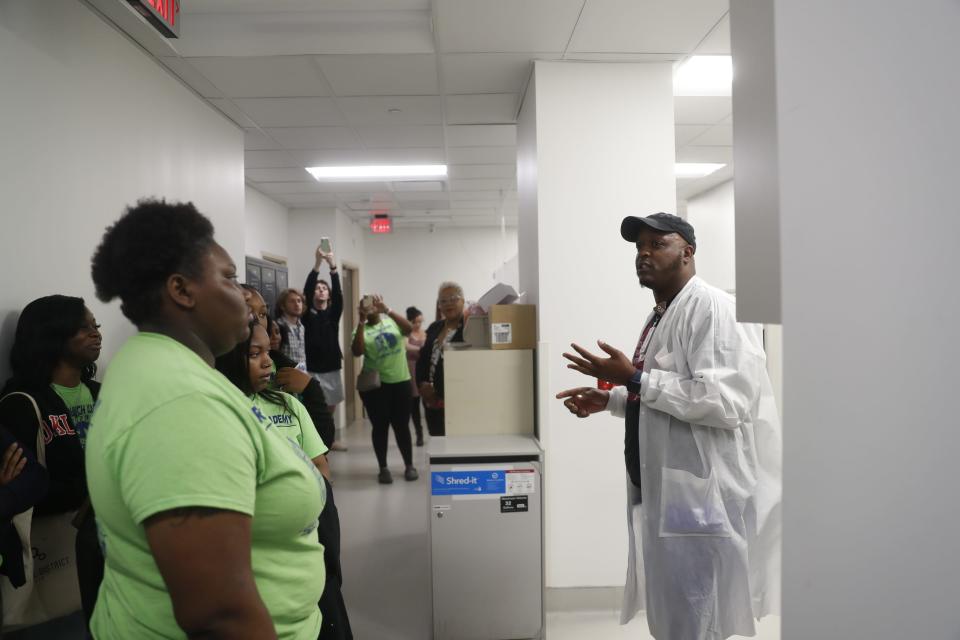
[[675, 267]]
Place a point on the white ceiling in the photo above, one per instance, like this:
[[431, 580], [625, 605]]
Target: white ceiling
[[424, 81]]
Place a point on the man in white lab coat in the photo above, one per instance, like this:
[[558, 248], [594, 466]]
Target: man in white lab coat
[[703, 443]]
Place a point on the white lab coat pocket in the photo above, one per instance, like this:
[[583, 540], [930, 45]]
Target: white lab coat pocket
[[691, 506], [665, 361]]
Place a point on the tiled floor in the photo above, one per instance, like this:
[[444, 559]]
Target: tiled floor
[[384, 555]]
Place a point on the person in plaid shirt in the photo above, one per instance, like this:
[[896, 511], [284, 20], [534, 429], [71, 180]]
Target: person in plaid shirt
[[288, 312]]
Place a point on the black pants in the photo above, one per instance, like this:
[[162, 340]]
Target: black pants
[[336, 623], [435, 421], [415, 414], [89, 565], [390, 404]]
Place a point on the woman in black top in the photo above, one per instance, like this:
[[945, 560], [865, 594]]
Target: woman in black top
[[54, 354], [449, 328]]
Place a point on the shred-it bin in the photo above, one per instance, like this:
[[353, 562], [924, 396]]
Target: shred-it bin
[[486, 537]]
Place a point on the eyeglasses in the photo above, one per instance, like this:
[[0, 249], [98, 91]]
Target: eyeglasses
[[450, 300]]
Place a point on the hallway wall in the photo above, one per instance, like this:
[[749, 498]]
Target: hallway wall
[[90, 124], [266, 225], [408, 265]]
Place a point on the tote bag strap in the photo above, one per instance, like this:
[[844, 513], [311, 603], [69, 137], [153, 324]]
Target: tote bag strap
[[41, 445]]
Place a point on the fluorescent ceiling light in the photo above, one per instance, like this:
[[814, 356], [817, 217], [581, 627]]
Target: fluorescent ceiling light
[[704, 76], [695, 169], [381, 172]]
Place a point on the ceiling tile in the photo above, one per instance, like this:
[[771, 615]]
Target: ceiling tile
[[278, 175], [481, 155], [418, 188], [720, 135], [422, 196], [258, 6], [718, 42], [469, 204], [684, 133], [189, 74], [346, 157], [482, 108], [687, 189], [368, 206], [275, 32], [482, 184], [584, 56], [469, 26], [278, 188], [353, 187], [375, 110], [292, 112], [645, 27], [263, 77], [691, 153], [481, 135], [420, 205], [401, 136], [488, 72], [268, 159], [381, 75], [314, 137], [461, 196], [256, 140], [459, 171], [306, 199], [231, 110], [701, 109]]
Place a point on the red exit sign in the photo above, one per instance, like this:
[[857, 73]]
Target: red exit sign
[[381, 224], [164, 15]]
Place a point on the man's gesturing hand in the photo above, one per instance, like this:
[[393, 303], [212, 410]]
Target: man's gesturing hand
[[584, 401], [616, 369]]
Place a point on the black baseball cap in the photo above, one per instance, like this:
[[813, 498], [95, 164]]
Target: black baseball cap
[[665, 222]]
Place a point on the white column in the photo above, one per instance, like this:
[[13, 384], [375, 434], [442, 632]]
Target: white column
[[595, 143], [868, 135]]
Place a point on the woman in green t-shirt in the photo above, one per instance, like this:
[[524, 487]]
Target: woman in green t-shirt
[[249, 367], [379, 339], [208, 518], [251, 370]]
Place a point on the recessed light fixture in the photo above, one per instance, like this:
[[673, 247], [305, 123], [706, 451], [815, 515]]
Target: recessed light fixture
[[704, 76], [379, 172], [695, 169]]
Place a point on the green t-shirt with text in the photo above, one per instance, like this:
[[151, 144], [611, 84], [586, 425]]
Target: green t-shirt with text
[[384, 350], [79, 403], [294, 422], [169, 431]]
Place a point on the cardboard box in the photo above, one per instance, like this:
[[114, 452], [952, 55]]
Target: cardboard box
[[476, 332], [513, 326]]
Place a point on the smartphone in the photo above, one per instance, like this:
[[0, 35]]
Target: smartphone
[[325, 244], [366, 302]]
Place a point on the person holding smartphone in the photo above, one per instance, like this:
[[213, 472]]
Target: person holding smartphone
[[321, 321], [379, 339]]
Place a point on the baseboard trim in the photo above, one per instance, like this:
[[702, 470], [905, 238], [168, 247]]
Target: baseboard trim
[[583, 598]]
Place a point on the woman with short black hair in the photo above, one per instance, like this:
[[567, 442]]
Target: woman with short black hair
[[185, 463]]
